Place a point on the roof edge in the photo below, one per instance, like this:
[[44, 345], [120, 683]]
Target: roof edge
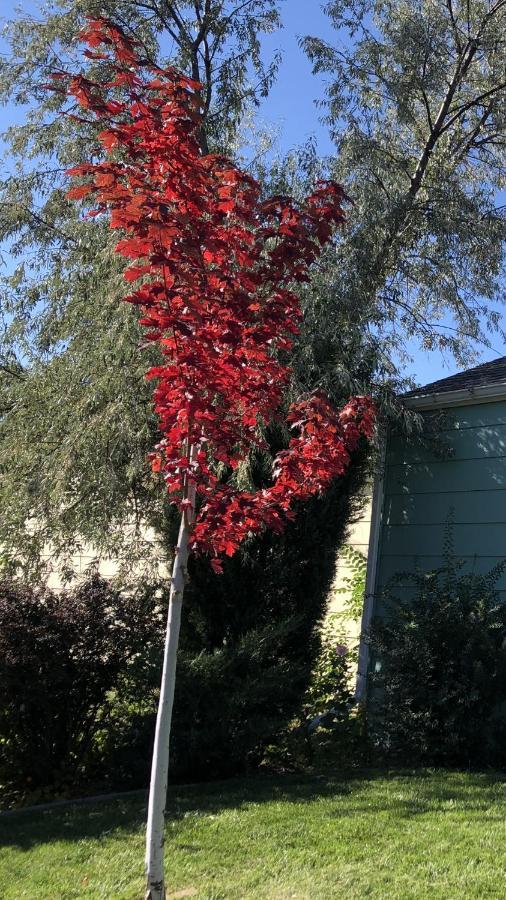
[[484, 393]]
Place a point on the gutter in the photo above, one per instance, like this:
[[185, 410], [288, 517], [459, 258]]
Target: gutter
[[483, 393]]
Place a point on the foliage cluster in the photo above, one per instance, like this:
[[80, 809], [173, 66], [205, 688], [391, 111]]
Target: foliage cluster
[[439, 669], [329, 731], [247, 642], [253, 671], [415, 102], [353, 583], [80, 672], [229, 703], [61, 656]]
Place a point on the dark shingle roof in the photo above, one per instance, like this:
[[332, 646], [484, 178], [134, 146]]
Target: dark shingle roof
[[488, 373]]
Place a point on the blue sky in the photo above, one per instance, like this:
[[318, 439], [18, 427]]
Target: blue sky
[[291, 109], [291, 103]]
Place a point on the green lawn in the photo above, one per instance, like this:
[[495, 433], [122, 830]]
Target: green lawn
[[399, 836]]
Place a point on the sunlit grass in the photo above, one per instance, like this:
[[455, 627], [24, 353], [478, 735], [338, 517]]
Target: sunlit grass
[[437, 835]]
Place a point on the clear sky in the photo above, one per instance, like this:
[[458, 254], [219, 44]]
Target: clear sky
[[291, 109], [291, 103]]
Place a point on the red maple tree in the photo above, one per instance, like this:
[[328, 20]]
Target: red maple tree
[[218, 265], [215, 266]]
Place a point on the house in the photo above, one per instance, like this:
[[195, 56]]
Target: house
[[455, 470]]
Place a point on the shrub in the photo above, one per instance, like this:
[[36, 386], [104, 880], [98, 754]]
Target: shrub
[[233, 701], [60, 657], [335, 725], [229, 703], [242, 706], [328, 731], [331, 684], [80, 670], [439, 669]]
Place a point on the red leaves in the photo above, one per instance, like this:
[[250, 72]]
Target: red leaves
[[104, 31], [218, 264], [109, 139], [104, 179], [318, 455], [77, 193], [133, 273], [156, 463]]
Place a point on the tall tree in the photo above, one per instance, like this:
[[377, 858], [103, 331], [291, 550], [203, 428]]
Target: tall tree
[[416, 103], [217, 265], [68, 351]]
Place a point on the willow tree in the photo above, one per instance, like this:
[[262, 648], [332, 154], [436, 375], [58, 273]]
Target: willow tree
[[416, 104]]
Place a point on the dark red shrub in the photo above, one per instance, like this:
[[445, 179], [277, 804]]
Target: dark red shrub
[[60, 656]]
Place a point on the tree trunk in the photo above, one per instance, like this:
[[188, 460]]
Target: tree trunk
[[155, 888]]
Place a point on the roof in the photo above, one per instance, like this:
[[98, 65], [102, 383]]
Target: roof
[[480, 376]]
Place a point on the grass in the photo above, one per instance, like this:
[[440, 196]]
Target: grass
[[420, 835]]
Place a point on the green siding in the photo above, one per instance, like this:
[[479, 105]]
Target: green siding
[[468, 443], [404, 540], [443, 477], [476, 507], [394, 564], [486, 414], [467, 483]]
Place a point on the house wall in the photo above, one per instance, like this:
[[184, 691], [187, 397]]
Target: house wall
[[150, 561], [357, 537], [421, 490]]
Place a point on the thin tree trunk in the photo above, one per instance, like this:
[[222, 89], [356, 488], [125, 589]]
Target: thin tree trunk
[[155, 887]]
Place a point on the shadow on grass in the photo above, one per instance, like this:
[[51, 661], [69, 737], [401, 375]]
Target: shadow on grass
[[403, 794]]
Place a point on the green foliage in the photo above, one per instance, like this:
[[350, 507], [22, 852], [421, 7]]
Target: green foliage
[[353, 585], [416, 104], [248, 646], [60, 657], [336, 728], [233, 701], [331, 685], [328, 732], [229, 703], [439, 668]]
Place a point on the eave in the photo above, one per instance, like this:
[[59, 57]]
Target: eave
[[484, 393]]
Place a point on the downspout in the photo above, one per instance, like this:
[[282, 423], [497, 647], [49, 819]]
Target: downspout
[[372, 567]]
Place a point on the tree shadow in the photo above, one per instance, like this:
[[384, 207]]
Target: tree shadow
[[406, 794]]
